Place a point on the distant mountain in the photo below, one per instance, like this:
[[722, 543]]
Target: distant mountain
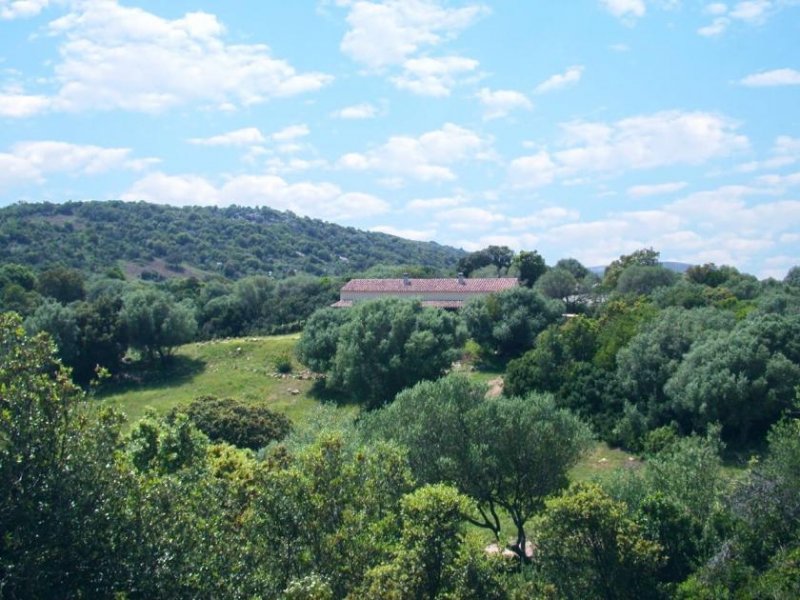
[[678, 267], [154, 241]]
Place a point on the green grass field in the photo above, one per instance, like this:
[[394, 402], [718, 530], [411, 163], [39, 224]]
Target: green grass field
[[244, 369], [240, 368]]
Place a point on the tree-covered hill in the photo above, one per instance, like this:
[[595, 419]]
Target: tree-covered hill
[[167, 241]]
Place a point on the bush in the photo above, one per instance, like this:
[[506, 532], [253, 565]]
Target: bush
[[283, 362], [244, 425]]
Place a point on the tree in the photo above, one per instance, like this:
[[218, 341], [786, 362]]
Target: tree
[[793, 277], [155, 323], [531, 267], [382, 347], [743, 379], [505, 453], [473, 261], [574, 266], [60, 323], [507, 323], [63, 284], [646, 257], [589, 547], [652, 356], [558, 284], [321, 335], [641, 280], [244, 425]]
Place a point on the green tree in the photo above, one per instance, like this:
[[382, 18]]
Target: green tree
[[507, 323], [155, 323], [793, 277], [558, 284], [642, 280], [589, 547], [505, 453], [63, 284], [242, 424], [574, 266], [60, 323], [743, 379], [531, 267], [646, 257], [385, 346]]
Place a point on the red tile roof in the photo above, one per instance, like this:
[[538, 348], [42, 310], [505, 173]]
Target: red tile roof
[[431, 303], [398, 286]]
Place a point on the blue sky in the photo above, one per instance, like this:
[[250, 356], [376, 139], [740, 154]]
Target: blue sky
[[587, 128]]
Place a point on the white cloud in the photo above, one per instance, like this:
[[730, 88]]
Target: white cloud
[[430, 204], [21, 9], [749, 12], [776, 77], [178, 190], [356, 111], [249, 136], [544, 218], [623, 9], [499, 103], [20, 105], [561, 80], [433, 76], [421, 235], [278, 166], [785, 145], [425, 158], [387, 33], [640, 142], [659, 189], [32, 162], [292, 132], [537, 170], [321, 200], [116, 57], [469, 218], [648, 141]]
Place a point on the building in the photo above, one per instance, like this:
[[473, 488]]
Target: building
[[449, 293]]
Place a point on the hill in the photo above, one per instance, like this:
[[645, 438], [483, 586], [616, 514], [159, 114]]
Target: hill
[[155, 241]]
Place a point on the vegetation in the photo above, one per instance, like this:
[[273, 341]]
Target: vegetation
[[238, 484]]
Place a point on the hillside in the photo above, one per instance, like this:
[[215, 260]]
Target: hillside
[[155, 241]]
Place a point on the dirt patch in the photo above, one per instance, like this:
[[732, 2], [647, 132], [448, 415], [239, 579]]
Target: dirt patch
[[495, 388]]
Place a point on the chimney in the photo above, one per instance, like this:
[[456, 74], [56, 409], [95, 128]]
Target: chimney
[[461, 278], [406, 280]]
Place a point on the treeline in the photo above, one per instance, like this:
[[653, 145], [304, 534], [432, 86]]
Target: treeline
[[156, 241], [96, 321]]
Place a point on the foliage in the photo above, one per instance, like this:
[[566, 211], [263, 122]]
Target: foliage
[[531, 267], [588, 546], [743, 379], [793, 277], [241, 424], [235, 241], [155, 323], [507, 323], [507, 453], [558, 284], [641, 280], [382, 347], [62, 284], [646, 257]]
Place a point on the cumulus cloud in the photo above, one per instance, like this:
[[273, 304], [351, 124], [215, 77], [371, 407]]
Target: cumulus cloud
[[117, 57], [316, 199], [640, 142], [421, 235], [748, 12], [21, 9], [356, 111], [624, 9], [387, 33], [15, 103], [500, 103], [657, 189], [776, 77], [425, 158], [32, 162], [247, 136], [433, 76], [431, 204], [561, 80]]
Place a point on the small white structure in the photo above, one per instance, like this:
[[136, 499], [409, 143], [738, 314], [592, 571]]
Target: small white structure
[[449, 293]]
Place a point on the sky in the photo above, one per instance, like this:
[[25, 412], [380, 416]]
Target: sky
[[585, 129]]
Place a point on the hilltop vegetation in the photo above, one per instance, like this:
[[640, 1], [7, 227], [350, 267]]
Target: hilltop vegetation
[[157, 241]]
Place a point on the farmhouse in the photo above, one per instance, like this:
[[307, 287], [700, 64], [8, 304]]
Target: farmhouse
[[449, 293]]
